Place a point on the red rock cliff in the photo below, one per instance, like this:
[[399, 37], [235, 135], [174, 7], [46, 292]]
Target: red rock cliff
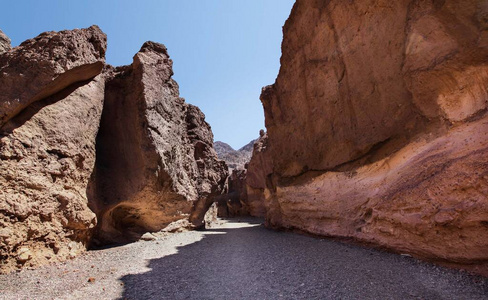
[[377, 125]]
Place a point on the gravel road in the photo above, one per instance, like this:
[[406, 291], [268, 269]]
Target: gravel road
[[241, 260]]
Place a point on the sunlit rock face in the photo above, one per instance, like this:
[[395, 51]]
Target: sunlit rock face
[[4, 43], [51, 99], [155, 158], [91, 154], [377, 125]]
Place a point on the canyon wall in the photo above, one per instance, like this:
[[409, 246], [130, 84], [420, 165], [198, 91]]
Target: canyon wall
[[91, 153], [50, 115], [154, 152], [377, 126]]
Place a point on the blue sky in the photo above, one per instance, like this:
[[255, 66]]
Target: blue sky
[[224, 51]]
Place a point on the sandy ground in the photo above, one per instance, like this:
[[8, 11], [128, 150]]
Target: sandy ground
[[241, 260]]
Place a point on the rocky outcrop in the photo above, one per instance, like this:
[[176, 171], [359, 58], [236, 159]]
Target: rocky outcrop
[[155, 161], [60, 59], [69, 172], [4, 43], [235, 159], [233, 203], [258, 170], [47, 147], [377, 125], [244, 192]]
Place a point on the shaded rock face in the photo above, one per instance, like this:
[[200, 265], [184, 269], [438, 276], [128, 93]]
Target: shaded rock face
[[4, 43], [155, 161], [233, 203], [377, 125], [47, 147]]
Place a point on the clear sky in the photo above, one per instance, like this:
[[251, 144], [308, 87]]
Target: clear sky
[[224, 51]]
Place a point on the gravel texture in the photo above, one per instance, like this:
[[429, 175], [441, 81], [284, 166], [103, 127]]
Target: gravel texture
[[241, 260]]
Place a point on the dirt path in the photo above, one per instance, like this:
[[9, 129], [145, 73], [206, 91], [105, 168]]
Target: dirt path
[[242, 260]]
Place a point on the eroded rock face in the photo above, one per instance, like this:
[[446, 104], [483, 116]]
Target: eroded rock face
[[377, 125], [60, 59], [47, 146], [4, 43], [260, 167], [233, 203], [155, 160]]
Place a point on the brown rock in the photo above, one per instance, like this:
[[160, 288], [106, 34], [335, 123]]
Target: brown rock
[[45, 164], [50, 114], [260, 167], [155, 161], [4, 43], [377, 125], [61, 59], [234, 201], [235, 159]]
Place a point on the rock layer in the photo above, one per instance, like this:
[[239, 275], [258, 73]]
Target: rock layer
[[155, 161], [377, 125]]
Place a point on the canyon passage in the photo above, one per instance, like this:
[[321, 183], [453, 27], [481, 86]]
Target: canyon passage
[[373, 167]]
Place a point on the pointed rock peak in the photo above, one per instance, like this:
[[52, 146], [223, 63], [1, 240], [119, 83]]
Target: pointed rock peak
[[154, 47], [4, 42]]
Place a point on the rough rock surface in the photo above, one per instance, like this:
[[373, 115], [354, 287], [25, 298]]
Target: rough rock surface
[[155, 161], [235, 159], [60, 59], [47, 151], [4, 43], [233, 202], [258, 169], [154, 158], [389, 99]]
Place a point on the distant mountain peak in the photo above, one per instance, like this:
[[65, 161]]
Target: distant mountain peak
[[235, 159]]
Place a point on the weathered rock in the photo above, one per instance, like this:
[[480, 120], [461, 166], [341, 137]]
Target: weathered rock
[[233, 202], [235, 159], [258, 170], [377, 125], [60, 59], [155, 161], [4, 43], [44, 172], [47, 150]]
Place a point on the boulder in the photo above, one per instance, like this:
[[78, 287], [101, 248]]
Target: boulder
[[377, 126]]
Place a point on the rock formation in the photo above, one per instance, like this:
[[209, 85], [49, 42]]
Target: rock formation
[[85, 152], [50, 115], [244, 193], [260, 166], [235, 159], [155, 159], [4, 43], [377, 125], [233, 203], [46, 65]]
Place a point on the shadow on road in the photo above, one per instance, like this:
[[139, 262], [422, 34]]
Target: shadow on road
[[248, 261]]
